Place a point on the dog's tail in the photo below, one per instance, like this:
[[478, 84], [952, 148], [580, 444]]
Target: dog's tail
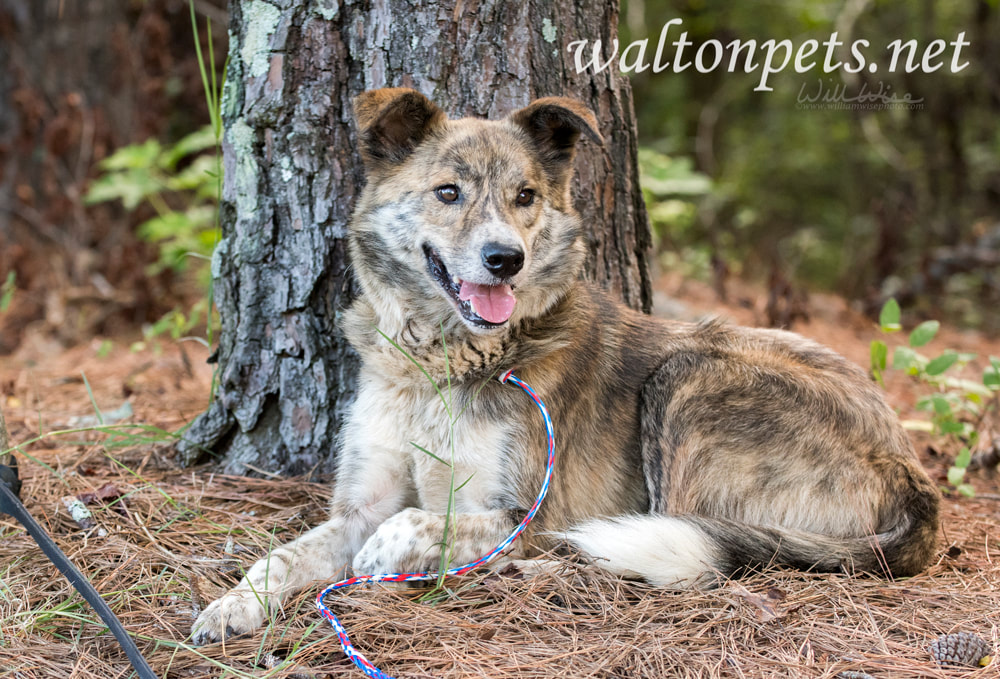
[[687, 551]]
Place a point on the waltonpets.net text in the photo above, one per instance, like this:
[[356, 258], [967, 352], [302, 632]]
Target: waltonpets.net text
[[770, 56]]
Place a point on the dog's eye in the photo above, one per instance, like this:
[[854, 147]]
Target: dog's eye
[[447, 194], [525, 198]]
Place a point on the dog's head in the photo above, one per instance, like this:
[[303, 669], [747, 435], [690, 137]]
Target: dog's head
[[467, 218]]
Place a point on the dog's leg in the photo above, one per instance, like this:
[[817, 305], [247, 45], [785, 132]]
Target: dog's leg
[[411, 540], [366, 494]]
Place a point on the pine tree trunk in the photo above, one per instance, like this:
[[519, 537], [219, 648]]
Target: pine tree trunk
[[292, 172]]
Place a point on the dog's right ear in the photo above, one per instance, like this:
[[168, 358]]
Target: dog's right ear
[[555, 124], [392, 122]]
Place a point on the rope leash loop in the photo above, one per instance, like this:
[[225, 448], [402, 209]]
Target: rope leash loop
[[360, 660]]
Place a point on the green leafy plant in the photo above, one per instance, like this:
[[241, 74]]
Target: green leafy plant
[[182, 182], [957, 406], [179, 182], [671, 188], [178, 325]]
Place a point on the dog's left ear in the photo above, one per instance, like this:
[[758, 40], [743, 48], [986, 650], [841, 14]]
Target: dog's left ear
[[555, 125], [392, 122]]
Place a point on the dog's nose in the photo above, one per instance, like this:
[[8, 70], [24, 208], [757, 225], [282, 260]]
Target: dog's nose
[[502, 261]]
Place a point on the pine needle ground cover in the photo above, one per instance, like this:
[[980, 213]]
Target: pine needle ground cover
[[164, 541]]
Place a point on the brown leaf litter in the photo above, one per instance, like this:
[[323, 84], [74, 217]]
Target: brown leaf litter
[[176, 538]]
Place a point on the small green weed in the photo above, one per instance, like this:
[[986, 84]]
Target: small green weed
[[178, 325], [7, 291], [179, 182], [957, 406]]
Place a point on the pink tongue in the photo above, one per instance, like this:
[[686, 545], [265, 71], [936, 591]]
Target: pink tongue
[[494, 303]]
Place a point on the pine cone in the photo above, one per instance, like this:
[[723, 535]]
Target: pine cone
[[964, 649]]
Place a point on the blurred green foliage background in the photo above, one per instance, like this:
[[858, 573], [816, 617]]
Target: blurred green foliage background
[[868, 203]]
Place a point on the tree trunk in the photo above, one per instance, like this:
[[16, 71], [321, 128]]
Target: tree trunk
[[292, 172]]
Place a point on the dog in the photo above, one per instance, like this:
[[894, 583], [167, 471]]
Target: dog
[[687, 453]]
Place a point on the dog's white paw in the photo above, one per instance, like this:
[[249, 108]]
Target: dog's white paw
[[234, 614], [406, 542]]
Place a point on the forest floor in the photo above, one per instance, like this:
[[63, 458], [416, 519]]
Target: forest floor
[[167, 540]]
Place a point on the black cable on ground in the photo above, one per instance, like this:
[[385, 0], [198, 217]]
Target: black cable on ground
[[10, 503]]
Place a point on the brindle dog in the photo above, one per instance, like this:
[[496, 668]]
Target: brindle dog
[[686, 453]]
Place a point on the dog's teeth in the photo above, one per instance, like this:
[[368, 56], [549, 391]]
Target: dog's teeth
[[455, 280]]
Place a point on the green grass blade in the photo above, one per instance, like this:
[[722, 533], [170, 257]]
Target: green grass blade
[[412, 360], [201, 66], [462, 485], [475, 395], [429, 454], [214, 94], [41, 464], [93, 402]]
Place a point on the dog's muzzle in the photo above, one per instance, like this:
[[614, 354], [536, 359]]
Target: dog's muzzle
[[485, 306]]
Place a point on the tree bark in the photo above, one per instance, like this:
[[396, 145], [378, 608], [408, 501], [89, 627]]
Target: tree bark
[[292, 173]]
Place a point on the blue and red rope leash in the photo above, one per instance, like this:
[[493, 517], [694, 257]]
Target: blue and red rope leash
[[360, 660]]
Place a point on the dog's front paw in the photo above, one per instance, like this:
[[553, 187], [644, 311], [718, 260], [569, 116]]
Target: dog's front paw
[[407, 542], [236, 613]]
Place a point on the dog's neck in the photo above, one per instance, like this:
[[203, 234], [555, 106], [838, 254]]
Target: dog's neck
[[391, 345]]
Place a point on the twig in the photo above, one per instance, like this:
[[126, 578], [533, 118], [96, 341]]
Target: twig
[[81, 515]]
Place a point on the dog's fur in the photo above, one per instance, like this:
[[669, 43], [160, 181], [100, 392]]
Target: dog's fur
[[686, 453]]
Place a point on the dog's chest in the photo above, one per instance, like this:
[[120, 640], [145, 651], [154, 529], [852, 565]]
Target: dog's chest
[[446, 446], [475, 450]]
